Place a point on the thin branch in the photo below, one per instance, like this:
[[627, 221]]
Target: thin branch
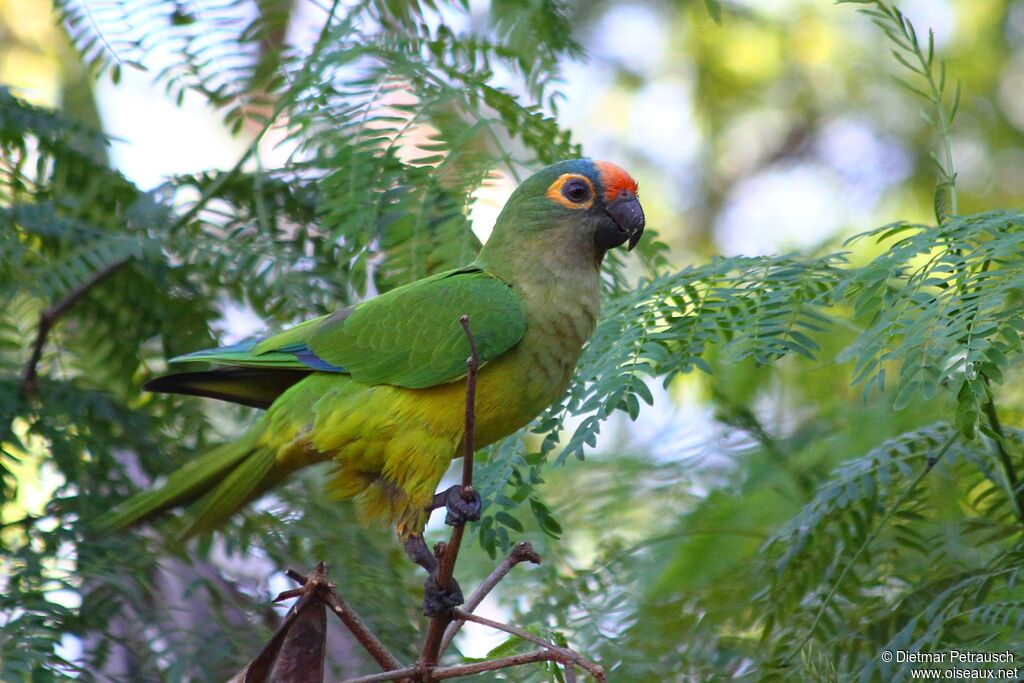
[[1016, 492], [565, 655], [522, 552], [408, 672], [49, 317], [318, 585], [472, 366], [449, 553], [460, 670], [362, 633]]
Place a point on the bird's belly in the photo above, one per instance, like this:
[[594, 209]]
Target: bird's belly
[[510, 392]]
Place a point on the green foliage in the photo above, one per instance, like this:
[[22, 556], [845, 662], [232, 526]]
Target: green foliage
[[397, 119], [931, 86], [761, 308], [944, 310], [816, 532]]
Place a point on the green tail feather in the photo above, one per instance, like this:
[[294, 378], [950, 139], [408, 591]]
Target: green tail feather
[[209, 472], [231, 493]]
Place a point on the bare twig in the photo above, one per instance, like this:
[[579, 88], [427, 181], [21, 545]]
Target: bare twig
[[364, 635], [565, 655], [460, 670], [449, 553], [472, 366], [51, 315], [413, 672], [522, 552], [319, 586]]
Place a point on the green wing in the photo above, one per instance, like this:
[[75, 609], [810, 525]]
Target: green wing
[[409, 337], [412, 337]]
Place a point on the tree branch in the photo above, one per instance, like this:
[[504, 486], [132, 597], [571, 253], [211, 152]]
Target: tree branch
[[329, 595], [522, 552], [460, 670], [49, 317], [565, 655], [449, 553], [362, 633], [413, 672]]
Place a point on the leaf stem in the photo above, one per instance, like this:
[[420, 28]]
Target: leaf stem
[[929, 465], [1012, 481]]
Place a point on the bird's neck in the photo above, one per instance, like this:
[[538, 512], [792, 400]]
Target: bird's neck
[[558, 279], [559, 255]]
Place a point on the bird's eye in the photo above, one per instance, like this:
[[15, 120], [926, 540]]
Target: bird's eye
[[576, 191]]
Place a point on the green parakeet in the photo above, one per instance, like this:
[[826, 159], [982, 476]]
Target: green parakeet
[[376, 387]]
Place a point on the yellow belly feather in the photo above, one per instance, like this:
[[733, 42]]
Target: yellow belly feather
[[392, 444]]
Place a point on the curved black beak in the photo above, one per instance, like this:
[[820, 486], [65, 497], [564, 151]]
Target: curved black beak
[[626, 224]]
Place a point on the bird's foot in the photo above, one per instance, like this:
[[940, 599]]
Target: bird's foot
[[417, 550], [437, 600], [461, 505]]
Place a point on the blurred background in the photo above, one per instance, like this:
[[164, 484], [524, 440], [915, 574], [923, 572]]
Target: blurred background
[[776, 128], [767, 133]]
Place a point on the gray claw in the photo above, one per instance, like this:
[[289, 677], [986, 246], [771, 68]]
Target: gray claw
[[437, 601], [458, 510]]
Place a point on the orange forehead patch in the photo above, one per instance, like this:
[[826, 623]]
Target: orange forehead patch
[[614, 180]]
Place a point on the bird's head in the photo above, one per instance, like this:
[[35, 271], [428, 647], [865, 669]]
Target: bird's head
[[580, 205]]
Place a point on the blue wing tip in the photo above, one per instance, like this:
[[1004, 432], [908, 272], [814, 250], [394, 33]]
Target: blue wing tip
[[307, 357], [301, 353]]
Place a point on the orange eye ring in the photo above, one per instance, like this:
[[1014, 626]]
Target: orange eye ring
[[573, 191]]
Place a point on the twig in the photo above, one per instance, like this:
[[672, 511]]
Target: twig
[[51, 315], [408, 672], [472, 365], [1016, 492], [522, 552], [565, 655], [318, 585], [364, 635], [460, 670], [449, 553]]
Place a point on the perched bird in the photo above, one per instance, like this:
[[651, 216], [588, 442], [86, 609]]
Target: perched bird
[[376, 387]]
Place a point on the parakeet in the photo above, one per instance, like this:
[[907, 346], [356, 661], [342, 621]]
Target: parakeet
[[376, 388]]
